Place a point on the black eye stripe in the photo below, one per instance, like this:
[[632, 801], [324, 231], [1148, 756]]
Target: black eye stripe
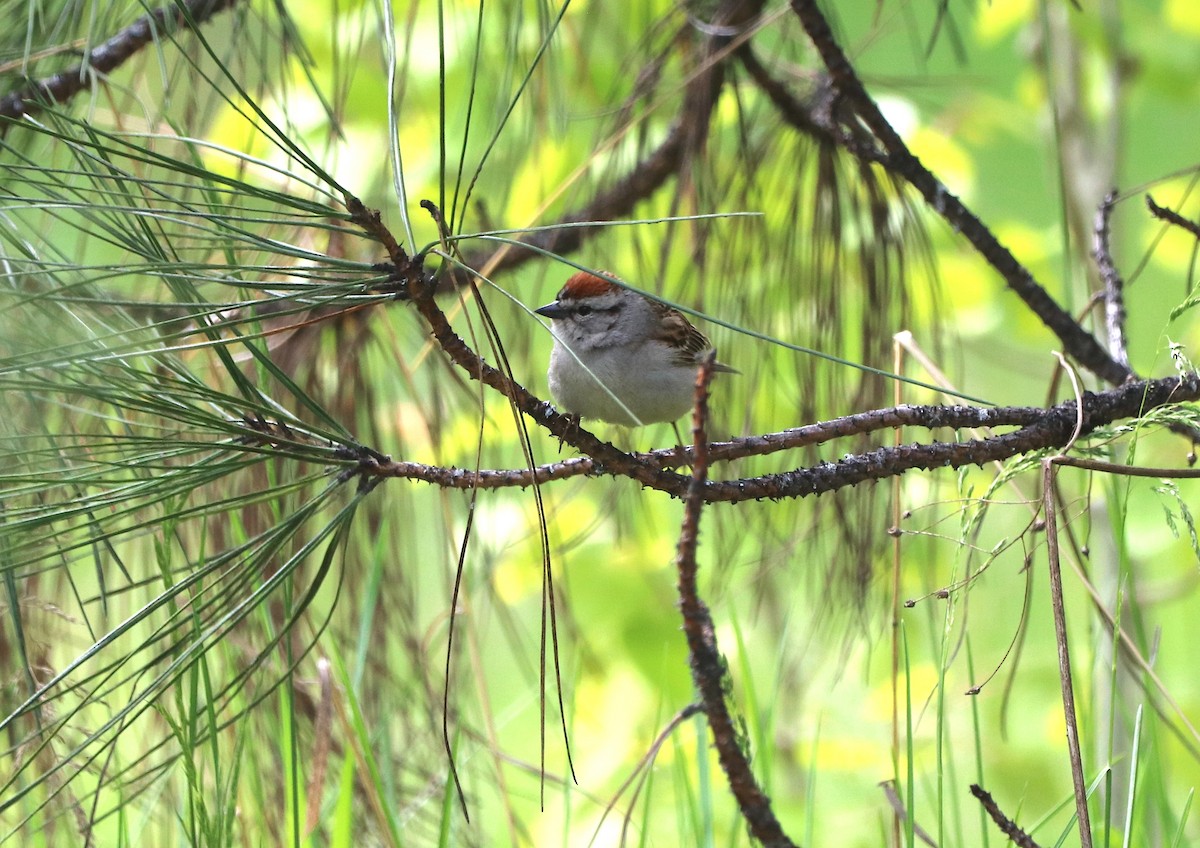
[[586, 309]]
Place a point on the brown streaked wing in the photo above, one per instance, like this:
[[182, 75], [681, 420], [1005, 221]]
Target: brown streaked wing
[[695, 343]]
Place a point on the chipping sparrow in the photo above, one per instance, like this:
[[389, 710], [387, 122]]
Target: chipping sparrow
[[621, 357]]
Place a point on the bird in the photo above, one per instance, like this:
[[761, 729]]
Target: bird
[[621, 357]]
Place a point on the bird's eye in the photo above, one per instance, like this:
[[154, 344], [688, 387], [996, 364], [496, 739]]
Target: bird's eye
[[583, 310]]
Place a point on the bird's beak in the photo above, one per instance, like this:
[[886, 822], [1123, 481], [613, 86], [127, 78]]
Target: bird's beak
[[552, 310]]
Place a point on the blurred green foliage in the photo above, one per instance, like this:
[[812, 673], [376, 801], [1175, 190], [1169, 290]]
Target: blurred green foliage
[[250, 650]]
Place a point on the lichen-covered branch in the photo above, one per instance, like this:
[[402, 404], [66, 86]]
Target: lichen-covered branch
[[1039, 429]]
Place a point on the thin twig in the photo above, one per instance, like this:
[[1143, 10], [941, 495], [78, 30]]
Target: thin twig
[[709, 671], [814, 117], [901, 814], [1007, 826], [641, 771], [1066, 679], [1114, 286], [799, 114], [1172, 217], [897, 622]]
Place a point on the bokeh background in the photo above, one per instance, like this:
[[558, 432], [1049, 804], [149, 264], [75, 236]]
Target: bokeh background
[[213, 637]]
